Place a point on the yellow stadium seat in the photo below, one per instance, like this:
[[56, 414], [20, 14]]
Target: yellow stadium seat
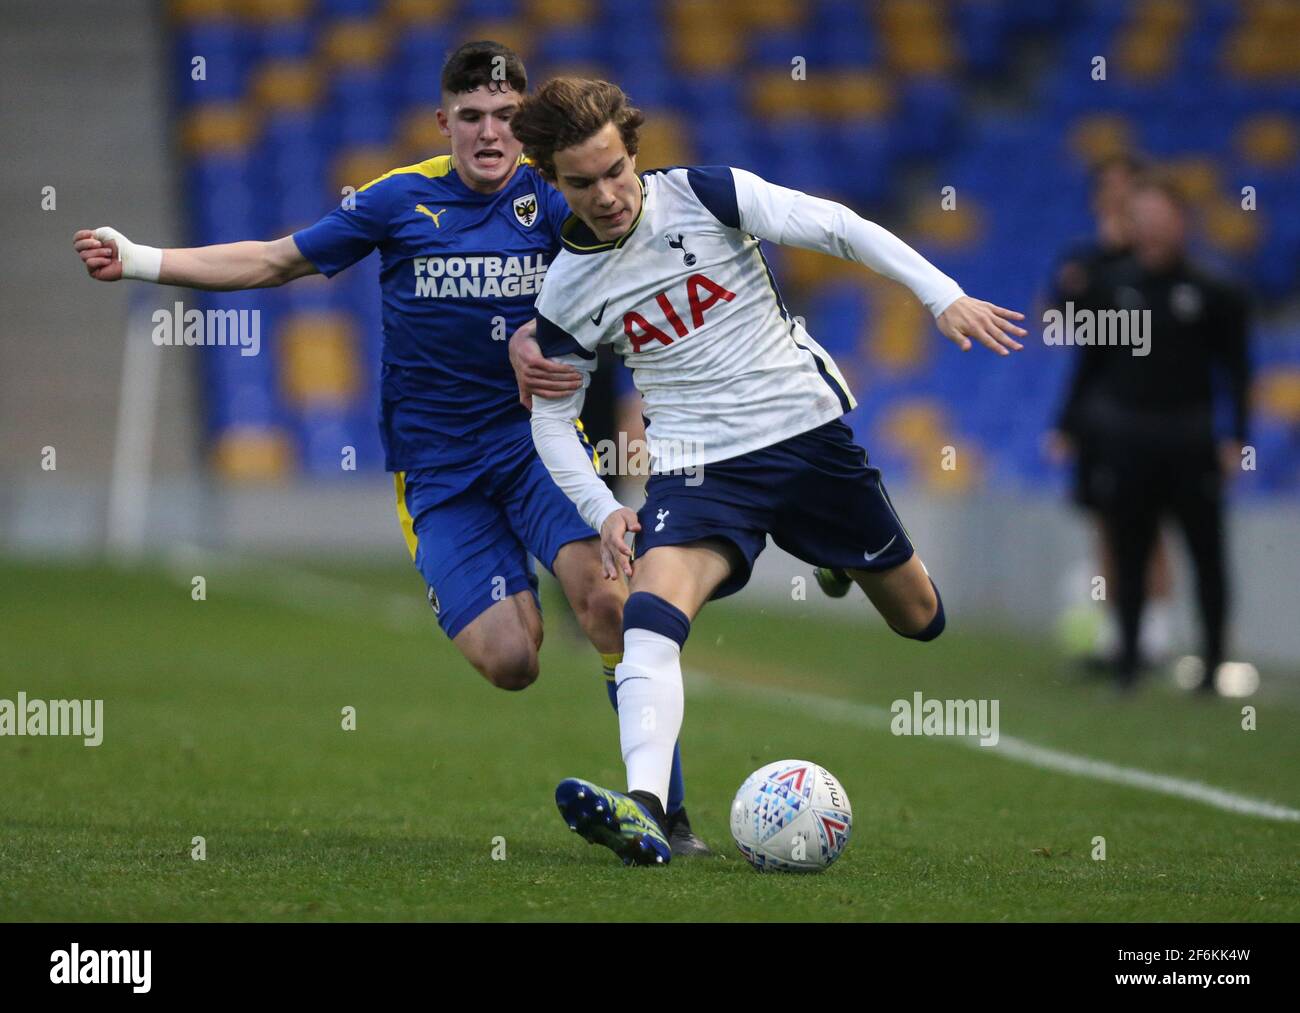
[[356, 42], [251, 454], [1232, 229], [1146, 54], [898, 331], [901, 18], [1268, 140], [921, 55], [514, 34], [190, 11], [1264, 43], [742, 16], [418, 136], [956, 229], [706, 47], [851, 95], [921, 430], [318, 359], [593, 70], [1277, 394], [358, 166], [286, 84], [918, 39], [1098, 136], [1197, 176], [276, 10], [809, 269], [965, 475], [663, 142], [774, 94], [218, 127], [1170, 15], [560, 12], [766, 15], [415, 12], [1272, 15]]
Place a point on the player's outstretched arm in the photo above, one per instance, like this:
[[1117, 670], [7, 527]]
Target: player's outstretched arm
[[793, 218], [110, 256]]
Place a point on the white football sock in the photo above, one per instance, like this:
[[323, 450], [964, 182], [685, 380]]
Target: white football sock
[[1158, 630], [650, 706]]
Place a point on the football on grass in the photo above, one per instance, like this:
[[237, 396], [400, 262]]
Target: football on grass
[[791, 816]]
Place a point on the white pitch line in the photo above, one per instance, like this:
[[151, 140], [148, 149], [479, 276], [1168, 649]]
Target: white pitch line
[[304, 590], [1011, 748]]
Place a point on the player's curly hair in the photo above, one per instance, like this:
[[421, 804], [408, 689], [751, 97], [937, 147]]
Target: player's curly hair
[[566, 111]]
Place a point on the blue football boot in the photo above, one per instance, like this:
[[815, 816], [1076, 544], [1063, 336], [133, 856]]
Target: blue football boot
[[628, 826]]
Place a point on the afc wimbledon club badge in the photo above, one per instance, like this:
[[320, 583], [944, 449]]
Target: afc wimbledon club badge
[[526, 209]]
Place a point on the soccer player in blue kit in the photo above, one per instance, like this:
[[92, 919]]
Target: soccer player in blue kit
[[465, 241]]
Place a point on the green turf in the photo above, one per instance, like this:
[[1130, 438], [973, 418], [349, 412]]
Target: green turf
[[223, 720]]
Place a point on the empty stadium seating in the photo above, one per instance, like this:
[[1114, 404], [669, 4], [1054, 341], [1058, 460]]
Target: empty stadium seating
[[878, 103]]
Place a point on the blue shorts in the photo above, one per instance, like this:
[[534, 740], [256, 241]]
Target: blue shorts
[[471, 529], [814, 494]]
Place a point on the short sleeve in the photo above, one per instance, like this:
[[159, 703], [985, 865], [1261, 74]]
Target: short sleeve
[[346, 235]]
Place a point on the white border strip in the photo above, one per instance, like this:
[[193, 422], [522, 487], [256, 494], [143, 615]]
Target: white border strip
[[316, 593], [1011, 748]]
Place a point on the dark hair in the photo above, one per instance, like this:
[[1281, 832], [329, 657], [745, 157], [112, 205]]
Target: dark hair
[[1131, 164], [476, 64], [1167, 187], [568, 110]]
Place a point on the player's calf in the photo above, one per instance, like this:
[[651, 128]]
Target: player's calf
[[599, 611], [597, 603], [925, 621], [906, 598]]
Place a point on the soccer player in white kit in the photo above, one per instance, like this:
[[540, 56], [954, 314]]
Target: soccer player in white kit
[[745, 436]]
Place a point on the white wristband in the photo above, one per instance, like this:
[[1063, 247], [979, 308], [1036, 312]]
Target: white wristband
[[143, 263]]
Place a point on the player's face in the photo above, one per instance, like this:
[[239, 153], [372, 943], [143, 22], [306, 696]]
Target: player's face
[[598, 178], [1159, 228], [1110, 200], [482, 146], [1113, 191]]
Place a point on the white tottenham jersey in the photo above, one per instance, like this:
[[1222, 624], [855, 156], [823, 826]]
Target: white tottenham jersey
[[686, 297]]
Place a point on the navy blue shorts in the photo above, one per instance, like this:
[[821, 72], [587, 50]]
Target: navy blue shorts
[[472, 530], [814, 494]]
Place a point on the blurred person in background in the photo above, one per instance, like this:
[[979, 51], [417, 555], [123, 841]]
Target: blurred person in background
[[1076, 279], [1150, 417]]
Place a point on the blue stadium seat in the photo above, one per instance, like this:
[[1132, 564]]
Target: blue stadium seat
[[1020, 169], [283, 40], [222, 46], [841, 36], [348, 8], [928, 124], [570, 44], [417, 63]]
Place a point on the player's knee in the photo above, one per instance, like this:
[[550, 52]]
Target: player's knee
[[602, 608], [511, 666], [923, 617]]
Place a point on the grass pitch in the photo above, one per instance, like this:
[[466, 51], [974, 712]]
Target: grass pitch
[[223, 719]]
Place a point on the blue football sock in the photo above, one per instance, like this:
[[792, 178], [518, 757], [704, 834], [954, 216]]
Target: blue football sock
[[676, 786]]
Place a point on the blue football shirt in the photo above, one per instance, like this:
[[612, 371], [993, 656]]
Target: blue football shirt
[[459, 273]]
